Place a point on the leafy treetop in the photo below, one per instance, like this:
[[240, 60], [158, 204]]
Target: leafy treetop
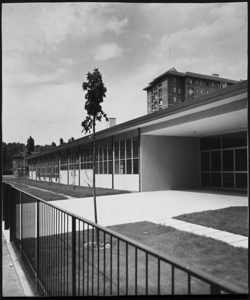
[[94, 97]]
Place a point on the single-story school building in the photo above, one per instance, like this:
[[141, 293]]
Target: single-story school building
[[198, 143]]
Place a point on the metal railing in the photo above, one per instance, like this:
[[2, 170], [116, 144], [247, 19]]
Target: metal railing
[[71, 256]]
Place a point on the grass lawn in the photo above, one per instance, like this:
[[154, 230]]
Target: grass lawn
[[59, 189], [231, 219], [214, 257]]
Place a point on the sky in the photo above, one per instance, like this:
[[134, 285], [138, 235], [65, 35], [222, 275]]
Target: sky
[[48, 49]]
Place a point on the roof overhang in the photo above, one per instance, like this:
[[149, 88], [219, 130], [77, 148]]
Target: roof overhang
[[218, 112]]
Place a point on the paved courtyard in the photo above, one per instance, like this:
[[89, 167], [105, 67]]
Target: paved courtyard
[[149, 206]]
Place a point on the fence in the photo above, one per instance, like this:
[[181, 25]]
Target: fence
[[60, 251]]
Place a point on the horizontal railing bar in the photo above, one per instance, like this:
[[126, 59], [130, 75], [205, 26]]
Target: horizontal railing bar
[[197, 273]]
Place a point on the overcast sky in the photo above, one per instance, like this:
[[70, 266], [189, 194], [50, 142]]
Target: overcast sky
[[48, 49]]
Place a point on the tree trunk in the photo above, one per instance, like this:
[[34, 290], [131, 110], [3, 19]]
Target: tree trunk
[[94, 194]]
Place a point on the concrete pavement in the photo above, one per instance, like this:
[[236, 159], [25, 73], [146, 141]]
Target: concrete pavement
[[15, 282], [235, 240], [11, 283], [158, 207]]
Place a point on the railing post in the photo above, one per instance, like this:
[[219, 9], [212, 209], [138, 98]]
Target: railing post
[[38, 246], [214, 289], [73, 256]]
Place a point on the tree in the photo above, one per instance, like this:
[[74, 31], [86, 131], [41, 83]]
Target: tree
[[53, 144], [71, 140], [61, 141], [94, 97], [30, 145]]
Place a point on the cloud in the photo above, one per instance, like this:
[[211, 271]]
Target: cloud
[[116, 25], [41, 27], [220, 37], [68, 61], [147, 37], [25, 78], [108, 51]]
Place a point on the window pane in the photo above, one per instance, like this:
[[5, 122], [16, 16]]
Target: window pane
[[129, 166], [110, 167], [216, 179], [117, 167], [232, 140], [96, 153], [216, 161], [96, 168], [105, 166], [136, 166], [122, 149], [90, 154], [241, 160], [122, 166], [128, 148], [228, 160], [205, 161], [105, 151], [241, 181], [100, 153], [109, 151], [117, 150], [135, 147], [100, 168], [205, 179], [210, 143], [228, 180]]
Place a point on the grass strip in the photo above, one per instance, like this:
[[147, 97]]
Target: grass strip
[[214, 257], [232, 219], [68, 190]]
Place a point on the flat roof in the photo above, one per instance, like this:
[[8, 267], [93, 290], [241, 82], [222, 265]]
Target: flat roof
[[189, 74], [156, 117]]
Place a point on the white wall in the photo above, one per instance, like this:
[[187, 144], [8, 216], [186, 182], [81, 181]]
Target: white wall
[[104, 181], [63, 176], [128, 182], [86, 177]]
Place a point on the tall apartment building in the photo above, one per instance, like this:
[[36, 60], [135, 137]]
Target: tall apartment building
[[173, 87]]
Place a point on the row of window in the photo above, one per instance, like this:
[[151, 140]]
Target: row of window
[[126, 159], [224, 161], [127, 156]]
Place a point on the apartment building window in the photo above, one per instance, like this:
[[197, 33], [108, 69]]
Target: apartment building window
[[179, 90], [201, 82], [127, 156], [174, 79], [201, 92], [174, 99], [213, 84], [174, 89], [196, 82], [191, 91], [160, 84]]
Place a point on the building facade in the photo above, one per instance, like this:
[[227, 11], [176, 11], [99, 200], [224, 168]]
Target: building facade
[[173, 87], [201, 143]]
